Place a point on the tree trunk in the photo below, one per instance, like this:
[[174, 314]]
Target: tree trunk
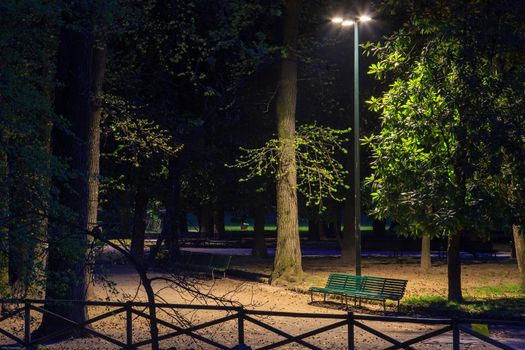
[[454, 267], [313, 230], [170, 228], [426, 261], [206, 220], [4, 230], [125, 208], [287, 266], [139, 220], [153, 324], [183, 223], [218, 222], [259, 244], [93, 160], [68, 242], [347, 237], [519, 244], [323, 230]]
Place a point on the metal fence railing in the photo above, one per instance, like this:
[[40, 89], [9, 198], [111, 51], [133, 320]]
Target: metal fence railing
[[26, 310]]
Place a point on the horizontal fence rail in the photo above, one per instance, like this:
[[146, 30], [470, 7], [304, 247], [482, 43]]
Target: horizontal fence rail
[[130, 311]]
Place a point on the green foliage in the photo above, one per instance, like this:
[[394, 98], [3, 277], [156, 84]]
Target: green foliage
[[136, 139], [319, 174], [445, 119], [27, 51]]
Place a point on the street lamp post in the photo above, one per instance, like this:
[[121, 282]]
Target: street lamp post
[[357, 173]]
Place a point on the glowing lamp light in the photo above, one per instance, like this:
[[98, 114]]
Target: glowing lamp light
[[337, 20], [347, 23], [365, 18]]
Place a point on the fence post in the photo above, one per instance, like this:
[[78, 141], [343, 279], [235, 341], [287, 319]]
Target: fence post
[[351, 343], [129, 326], [27, 323], [455, 334], [240, 327]]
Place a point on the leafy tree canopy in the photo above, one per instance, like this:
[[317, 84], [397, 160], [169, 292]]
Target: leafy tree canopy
[[449, 113]]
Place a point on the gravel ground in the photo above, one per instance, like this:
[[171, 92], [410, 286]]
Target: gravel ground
[[256, 295]]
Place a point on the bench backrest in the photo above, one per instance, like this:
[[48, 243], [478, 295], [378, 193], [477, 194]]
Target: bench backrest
[[388, 287], [354, 283], [336, 281]]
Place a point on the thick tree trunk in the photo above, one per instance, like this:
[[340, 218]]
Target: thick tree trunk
[[139, 220], [259, 244], [519, 244], [426, 261], [68, 242], [287, 266], [347, 237], [454, 267]]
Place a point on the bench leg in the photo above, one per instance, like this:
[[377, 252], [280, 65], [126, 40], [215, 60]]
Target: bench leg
[[398, 306], [311, 297], [325, 297], [384, 305], [212, 275]]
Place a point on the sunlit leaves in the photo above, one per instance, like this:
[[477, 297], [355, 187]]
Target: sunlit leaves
[[319, 174], [137, 139]]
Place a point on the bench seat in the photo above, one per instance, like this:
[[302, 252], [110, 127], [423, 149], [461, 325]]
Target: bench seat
[[363, 288]]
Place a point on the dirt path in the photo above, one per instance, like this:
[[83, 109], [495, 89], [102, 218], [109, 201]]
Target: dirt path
[[260, 296]]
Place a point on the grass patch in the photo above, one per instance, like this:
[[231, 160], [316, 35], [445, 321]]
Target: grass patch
[[503, 289], [493, 305]]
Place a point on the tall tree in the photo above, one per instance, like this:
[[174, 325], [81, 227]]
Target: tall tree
[[287, 264], [441, 145], [81, 67]]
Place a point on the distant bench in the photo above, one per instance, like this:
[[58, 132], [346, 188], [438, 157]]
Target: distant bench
[[362, 288], [204, 262]]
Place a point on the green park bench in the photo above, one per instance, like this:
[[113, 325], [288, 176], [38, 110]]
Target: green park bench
[[204, 262], [362, 288]]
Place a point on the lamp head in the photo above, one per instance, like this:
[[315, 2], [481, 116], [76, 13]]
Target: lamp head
[[337, 20], [347, 23], [365, 18]]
